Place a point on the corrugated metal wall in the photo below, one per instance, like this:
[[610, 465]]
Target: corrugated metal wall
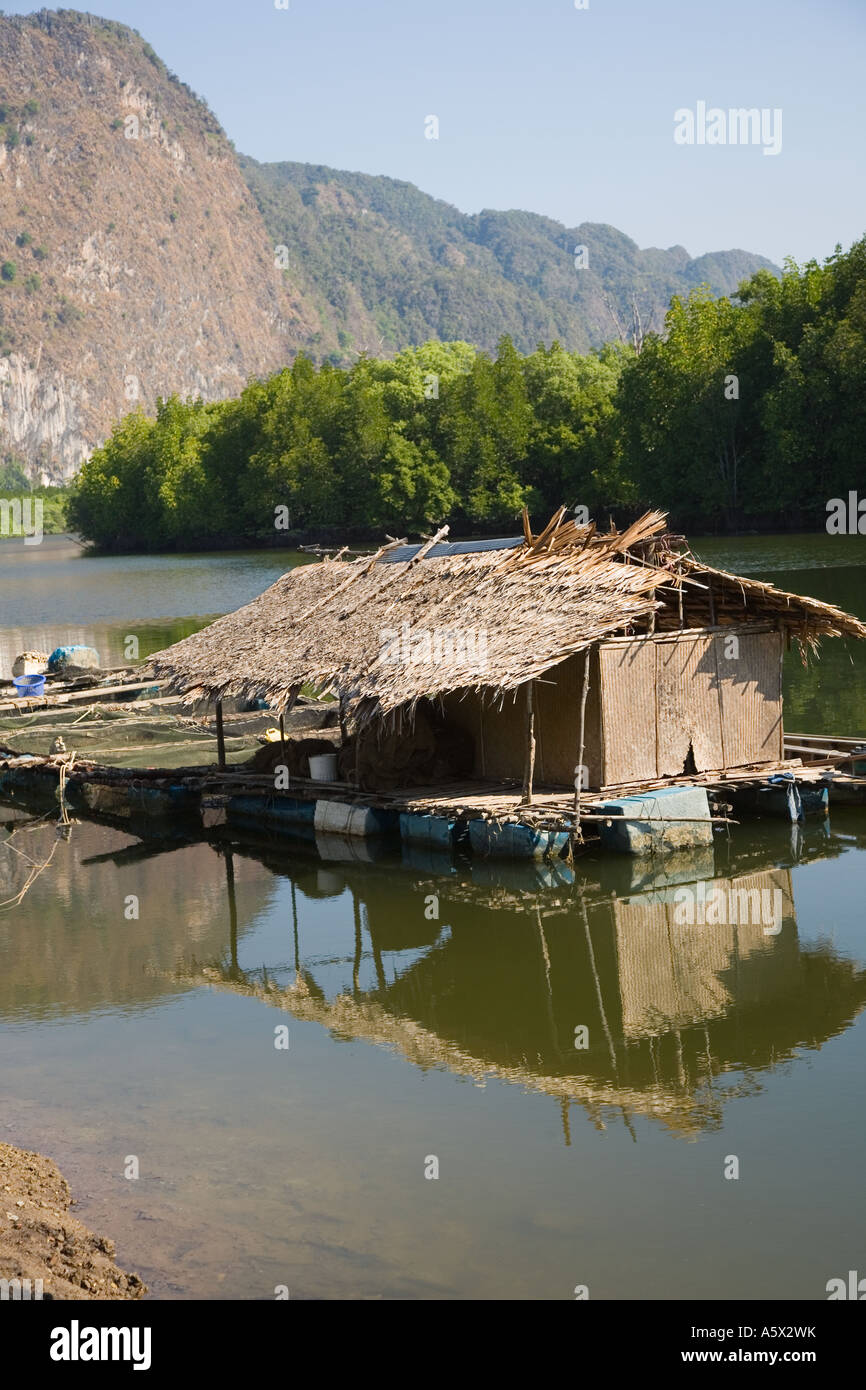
[[751, 697], [650, 701], [714, 698], [629, 711], [689, 712]]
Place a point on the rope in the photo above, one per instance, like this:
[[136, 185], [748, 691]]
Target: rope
[[65, 769]]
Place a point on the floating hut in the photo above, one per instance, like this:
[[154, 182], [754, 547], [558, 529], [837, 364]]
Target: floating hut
[[601, 664]]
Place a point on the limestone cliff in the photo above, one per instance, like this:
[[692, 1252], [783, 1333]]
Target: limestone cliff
[[133, 260]]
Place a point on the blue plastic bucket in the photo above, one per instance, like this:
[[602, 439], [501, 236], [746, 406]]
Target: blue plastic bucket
[[29, 685]]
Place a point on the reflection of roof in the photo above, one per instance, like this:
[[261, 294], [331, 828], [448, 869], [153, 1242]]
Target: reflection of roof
[[496, 614], [366, 1020]]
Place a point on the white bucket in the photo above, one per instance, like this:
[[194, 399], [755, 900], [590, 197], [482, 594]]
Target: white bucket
[[323, 767]]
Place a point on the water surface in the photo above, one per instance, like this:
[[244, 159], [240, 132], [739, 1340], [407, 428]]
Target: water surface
[[432, 1009], [56, 594]]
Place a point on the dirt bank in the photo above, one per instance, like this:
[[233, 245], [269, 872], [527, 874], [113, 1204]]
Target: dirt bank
[[40, 1240]]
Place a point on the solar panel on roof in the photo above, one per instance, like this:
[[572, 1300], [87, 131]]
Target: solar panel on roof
[[407, 552]]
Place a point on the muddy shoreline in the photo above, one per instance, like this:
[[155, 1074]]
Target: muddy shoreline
[[41, 1240]]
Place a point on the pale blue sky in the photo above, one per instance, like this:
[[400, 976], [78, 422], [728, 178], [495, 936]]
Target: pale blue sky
[[543, 106]]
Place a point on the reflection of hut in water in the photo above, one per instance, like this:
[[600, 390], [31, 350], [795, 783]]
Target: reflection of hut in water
[[497, 991], [673, 972]]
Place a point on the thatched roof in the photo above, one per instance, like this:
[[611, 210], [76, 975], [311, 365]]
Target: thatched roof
[[807, 618], [383, 635]]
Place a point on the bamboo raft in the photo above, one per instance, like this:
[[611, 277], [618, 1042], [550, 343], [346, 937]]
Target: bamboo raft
[[102, 686]]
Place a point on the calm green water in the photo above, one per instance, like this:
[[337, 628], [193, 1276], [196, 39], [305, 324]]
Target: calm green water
[[54, 594], [432, 1011]]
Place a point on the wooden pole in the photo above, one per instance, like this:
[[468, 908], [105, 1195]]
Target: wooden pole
[[530, 746], [578, 777], [295, 932], [597, 982], [294, 692], [221, 739], [356, 963], [781, 687], [233, 911], [655, 698], [715, 641]]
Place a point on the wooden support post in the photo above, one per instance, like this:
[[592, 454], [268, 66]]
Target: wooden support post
[[285, 761], [221, 739], [781, 687], [530, 746], [578, 775], [290, 704], [712, 603], [715, 641]]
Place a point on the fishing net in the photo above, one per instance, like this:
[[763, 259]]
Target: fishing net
[[122, 736]]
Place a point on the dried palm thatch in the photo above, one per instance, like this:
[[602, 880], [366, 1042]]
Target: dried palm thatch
[[808, 619], [385, 635]]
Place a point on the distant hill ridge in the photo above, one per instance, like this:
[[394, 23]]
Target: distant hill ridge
[[389, 266], [138, 252]]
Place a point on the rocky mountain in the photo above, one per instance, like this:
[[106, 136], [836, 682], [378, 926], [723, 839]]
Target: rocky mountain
[[140, 256], [133, 259]]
